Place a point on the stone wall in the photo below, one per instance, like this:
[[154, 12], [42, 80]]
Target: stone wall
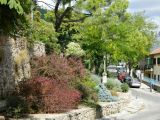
[[79, 114], [14, 63], [115, 107], [104, 109], [38, 49]]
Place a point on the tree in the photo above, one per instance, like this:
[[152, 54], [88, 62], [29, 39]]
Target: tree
[[88, 5], [44, 31], [67, 16], [140, 38], [99, 32], [114, 31], [12, 16]]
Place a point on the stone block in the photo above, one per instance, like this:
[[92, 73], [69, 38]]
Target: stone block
[[2, 118]]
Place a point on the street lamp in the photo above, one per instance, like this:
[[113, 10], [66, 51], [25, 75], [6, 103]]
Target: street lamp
[[151, 80], [104, 75]]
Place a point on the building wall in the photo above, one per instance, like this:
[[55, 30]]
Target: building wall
[[156, 68]]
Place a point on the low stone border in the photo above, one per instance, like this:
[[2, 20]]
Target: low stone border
[[85, 113], [79, 114], [115, 107]]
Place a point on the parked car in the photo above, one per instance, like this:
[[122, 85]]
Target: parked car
[[132, 81], [112, 68], [127, 78], [121, 69], [121, 76]]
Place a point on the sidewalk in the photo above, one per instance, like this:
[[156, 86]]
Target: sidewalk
[[146, 88], [134, 106]]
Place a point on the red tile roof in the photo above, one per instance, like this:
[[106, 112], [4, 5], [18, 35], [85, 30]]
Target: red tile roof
[[156, 51]]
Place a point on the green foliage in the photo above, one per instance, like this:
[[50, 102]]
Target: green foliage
[[65, 34], [124, 87], [13, 4], [14, 22], [74, 49], [89, 91], [49, 16], [111, 75], [113, 84], [44, 31], [66, 17], [16, 107], [118, 33]]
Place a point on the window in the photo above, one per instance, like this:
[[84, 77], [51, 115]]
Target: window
[[154, 61], [158, 61], [158, 77], [149, 61], [154, 77]]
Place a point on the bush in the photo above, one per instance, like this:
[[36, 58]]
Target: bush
[[113, 93], [111, 75], [88, 90], [16, 106], [58, 85], [124, 87], [49, 95], [58, 68], [74, 49], [77, 67], [113, 84]]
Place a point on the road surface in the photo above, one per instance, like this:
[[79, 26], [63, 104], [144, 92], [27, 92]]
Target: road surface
[[151, 102], [149, 111]]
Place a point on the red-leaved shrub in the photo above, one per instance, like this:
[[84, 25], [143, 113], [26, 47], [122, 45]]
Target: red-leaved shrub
[[52, 87], [77, 66], [48, 95], [58, 68]]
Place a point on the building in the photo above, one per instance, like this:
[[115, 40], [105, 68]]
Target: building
[[155, 55]]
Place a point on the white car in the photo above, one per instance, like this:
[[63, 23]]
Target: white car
[[133, 82], [112, 68]]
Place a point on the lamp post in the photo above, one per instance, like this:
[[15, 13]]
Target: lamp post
[[104, 75], [151, 80]]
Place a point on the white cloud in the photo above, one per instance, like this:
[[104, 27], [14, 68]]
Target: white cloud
[[151, 7], [144, 3]]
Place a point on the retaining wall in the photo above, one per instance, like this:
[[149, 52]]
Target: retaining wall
[[104, 109]]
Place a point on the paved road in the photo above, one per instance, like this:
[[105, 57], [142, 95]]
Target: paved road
[[151, 101], [150, 111]]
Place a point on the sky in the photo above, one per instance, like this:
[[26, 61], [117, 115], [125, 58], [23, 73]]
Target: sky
[[151, 8]]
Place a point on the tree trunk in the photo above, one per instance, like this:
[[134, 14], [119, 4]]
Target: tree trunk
[[130, 67], [57, 24]]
